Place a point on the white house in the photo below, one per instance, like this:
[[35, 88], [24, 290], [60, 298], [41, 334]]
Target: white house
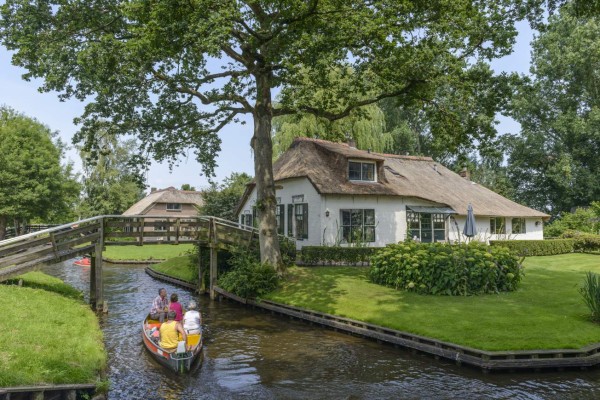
[[332, 193]]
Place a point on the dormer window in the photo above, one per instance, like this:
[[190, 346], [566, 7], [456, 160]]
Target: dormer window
[[361, 171]]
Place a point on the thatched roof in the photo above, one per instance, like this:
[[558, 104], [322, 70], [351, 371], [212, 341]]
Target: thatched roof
[[325, 165], [168, 195]]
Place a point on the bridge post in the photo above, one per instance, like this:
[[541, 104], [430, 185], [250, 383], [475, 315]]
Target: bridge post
[[212, 242], [96, 283], [201, 286]]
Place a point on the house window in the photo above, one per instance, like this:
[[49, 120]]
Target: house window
[[246, 219], [358, 225], [160, 228], [280, 215], [518, 225], [361, 171], [426, 227], [301, 220], [497, 225], [173, 206]]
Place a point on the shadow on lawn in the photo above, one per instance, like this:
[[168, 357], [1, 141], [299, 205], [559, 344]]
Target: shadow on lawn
[[316, 287]]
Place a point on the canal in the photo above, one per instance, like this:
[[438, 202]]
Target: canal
[[250, 355]]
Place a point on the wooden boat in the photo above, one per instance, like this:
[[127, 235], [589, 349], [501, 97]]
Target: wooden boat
[[178, 362], [83, 262]]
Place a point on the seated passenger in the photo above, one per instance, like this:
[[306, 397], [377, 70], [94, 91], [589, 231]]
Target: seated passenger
[[191, 319], [169, 333], [175, 305], [160, 306]]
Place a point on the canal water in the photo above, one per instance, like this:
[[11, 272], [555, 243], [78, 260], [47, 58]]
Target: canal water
[[251, 355]]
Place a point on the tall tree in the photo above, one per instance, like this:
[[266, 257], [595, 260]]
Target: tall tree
[[554, 162], [109, 186], [221, 200], [33, 182], [175, 73]]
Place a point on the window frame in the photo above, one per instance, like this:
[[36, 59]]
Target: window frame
[[414, 226], [173, 209], [494, 228], [300, 221], [368, 232], [521, 223], [361, 171]]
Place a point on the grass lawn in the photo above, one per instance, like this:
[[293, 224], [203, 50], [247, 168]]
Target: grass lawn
[[39, 280], [546, 312], [47, 338], [148, 252], [178, 267]]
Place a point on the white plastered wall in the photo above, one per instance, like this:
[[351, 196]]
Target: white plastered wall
[[390, 216], [534, 230]]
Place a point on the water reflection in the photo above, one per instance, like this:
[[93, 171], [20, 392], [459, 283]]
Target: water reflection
[[249, 355]]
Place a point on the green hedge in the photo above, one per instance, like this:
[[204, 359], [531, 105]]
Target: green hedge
[[329, 255], [587, 243], [443, 269], [537, 247]]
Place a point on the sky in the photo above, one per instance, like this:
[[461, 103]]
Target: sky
[[235, 155]]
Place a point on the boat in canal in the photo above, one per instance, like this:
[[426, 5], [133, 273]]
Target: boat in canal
[[180, 362], [83, 262]]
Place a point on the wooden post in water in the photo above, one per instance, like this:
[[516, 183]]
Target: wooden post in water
[[201, 286], [212, 239], [96, 284]]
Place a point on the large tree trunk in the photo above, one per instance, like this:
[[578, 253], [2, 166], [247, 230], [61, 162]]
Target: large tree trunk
[[3, 223], [266, 201]]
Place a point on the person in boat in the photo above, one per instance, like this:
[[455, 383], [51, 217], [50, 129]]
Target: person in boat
[[170, 332], [191, 319], [175, 305], [160, 306]]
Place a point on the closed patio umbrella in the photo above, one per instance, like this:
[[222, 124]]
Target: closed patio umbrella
[[470, 229]]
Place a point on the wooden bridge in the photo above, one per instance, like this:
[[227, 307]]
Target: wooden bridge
[[90, 236]]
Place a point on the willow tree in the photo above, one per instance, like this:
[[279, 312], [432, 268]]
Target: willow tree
[[174, 73]]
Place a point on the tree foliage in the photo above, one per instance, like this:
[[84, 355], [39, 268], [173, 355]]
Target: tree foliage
[[33, 182], [221, 200], [109, 186], [554, 162], [583, 220], [174, 74]]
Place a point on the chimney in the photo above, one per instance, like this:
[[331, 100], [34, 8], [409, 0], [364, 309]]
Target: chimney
[[465, 173], [152, 190], [351, 143]]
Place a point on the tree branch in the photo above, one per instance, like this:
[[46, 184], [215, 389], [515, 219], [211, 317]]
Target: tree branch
[[346, 112], [246, 107]]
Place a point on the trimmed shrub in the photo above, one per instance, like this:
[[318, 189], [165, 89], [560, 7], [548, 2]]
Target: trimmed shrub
[[329, 255], [591, 294], [247, 277], [537, 247], [584, 242], [443, 269]]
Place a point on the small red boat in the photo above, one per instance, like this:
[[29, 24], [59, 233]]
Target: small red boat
[[83, 262], [177, 361]]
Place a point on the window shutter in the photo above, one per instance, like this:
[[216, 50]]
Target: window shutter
[[305, 221], [290, 218]]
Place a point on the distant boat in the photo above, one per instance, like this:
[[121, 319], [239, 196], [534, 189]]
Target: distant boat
[[83, 262], [178, 362]]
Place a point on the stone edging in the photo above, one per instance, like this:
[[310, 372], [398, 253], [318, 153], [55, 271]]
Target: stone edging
[[136, 262], [588, 356], [67, 391], [170, 279]]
